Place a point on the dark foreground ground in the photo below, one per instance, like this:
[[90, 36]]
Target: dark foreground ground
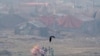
[[20, 45]]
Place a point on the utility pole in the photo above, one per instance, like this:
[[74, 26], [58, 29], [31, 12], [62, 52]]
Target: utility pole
[[51, 50], [95, 23]]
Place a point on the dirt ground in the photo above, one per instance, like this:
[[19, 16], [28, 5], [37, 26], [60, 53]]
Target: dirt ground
[[20, 45]]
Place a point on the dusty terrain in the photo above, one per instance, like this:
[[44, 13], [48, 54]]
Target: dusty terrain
[[20, 45]]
